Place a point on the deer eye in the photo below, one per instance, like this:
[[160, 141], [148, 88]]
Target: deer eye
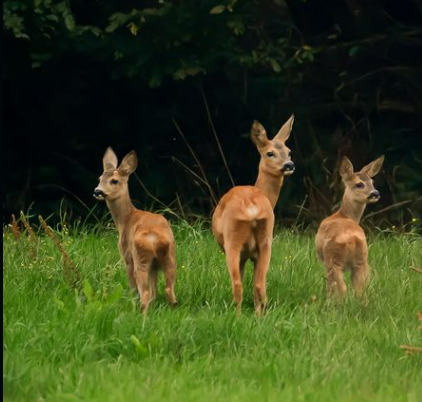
[[114, 181], [360, 185], [270, 154]]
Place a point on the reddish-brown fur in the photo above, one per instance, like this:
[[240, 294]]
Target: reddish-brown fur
[[146, 241], [243, 221], [340, 241]]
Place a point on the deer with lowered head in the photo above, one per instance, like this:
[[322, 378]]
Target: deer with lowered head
[[340, 241], [146, 241], [243, 221]]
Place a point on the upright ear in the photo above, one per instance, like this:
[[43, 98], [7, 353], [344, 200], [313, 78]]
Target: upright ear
[[258, 134], [374, 167], [285, 131], [129, 164], [346, 168], [109, 159]]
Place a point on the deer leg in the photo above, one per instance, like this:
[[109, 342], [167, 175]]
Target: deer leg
[[153, 279], [142, 276], [335, 281], [360, 279], [127, 256], [130, 273], [169, 268], [260, 277], [233, 265]]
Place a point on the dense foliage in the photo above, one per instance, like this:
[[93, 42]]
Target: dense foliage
[[84, 74]]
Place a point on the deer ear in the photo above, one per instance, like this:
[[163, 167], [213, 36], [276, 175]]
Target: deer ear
[[374, 167], [109, 159], [258, 134], [129, 164], [285, 131], [346, 168]]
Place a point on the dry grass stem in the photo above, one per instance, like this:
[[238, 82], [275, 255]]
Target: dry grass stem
[[411, 349], [32, 237], [419, 270], [67, 263], [15, 228]]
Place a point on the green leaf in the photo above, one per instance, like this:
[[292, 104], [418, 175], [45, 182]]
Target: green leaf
[[274, 64], [140, 348], [217, 9], [88, 291], [116, 295], [353, 51], [182, 73], [155, 81]]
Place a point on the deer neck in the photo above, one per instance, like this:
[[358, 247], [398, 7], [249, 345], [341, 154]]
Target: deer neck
[[120, 209], [269, 184], [352, 209]]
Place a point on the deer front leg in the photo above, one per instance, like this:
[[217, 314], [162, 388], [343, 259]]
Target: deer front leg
[[130, 273], [127, 256]]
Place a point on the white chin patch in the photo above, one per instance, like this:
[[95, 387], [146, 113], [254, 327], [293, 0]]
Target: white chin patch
[[99, 198], [288, 172]]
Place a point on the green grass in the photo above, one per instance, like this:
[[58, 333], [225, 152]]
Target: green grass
[[94, 345]]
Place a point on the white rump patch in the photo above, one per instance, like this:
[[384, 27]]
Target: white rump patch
[[252, 211], [151, 237]]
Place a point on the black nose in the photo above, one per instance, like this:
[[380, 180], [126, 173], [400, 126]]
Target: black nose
[[98, 193], [374, 194], [289, 166]]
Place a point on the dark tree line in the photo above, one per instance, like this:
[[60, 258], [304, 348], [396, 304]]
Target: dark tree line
[[157, 76]]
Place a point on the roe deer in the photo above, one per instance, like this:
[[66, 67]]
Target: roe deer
[[340, 241], [243, 221], [146, 241]]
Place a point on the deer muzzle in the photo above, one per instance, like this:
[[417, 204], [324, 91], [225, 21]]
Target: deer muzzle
[[99, 194], [288, 168]]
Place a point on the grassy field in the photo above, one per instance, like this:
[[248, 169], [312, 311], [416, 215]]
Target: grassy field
[[94, 345]]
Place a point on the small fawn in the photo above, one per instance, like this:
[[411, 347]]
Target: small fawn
[[340, 241], [243, 221], [146, 241]]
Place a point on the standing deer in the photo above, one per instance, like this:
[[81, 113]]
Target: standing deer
[[340, 241], [243, 221], [146, 241]]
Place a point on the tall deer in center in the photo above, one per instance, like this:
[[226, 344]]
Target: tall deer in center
[[243, 221], [340, 241], [146, 240]]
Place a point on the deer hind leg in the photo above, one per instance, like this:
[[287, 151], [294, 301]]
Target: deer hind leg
[[142, 269], [233, 265], [153, 280], [169, 268], [360, 279], [336, 287], [264, 239]]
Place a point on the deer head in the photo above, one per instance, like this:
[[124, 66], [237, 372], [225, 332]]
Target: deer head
[[113, 183], [275, 155], [359, 185]]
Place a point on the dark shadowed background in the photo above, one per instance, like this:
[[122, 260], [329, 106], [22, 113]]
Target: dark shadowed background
[[81, 75]]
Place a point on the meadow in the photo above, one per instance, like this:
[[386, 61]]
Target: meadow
[[91, 343]]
